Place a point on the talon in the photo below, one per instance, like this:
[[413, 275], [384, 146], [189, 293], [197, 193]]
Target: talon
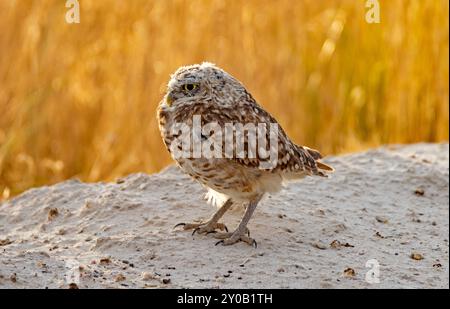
[[225, 227], [179, 224], [220, 241], [195, 231], [254, 243], [211, 232]]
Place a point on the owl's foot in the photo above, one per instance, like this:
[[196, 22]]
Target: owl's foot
[[237, 236], [203, 228], [211, 225]]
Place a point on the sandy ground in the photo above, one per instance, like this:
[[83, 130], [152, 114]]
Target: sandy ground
[[389, 204]]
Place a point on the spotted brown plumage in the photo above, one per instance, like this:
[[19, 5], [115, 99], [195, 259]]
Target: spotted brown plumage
[[215, 97]]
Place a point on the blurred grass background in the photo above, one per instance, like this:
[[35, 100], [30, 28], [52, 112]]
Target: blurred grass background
[[79, 100]]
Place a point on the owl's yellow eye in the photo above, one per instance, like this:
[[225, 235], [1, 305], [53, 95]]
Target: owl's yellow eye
[[189, 87]]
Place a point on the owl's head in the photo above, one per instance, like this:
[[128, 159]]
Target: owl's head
[[200, 82]]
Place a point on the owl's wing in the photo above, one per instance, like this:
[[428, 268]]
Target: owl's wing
[[281, 153]]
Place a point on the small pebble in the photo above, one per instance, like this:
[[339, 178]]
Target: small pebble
[[52, 213], [105, 261], [419, 192], [320, 246], [349, 272], [148, 276], [119, 278], [4, 242], [381, 219], [416, 256]]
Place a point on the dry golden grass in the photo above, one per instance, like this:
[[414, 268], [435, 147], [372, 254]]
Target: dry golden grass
[[78, 100]]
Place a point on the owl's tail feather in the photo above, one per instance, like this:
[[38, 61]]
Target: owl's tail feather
[[313, 153], [324, 166], [316, 156]]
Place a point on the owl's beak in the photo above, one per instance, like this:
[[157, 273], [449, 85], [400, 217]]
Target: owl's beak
[[169, 99]]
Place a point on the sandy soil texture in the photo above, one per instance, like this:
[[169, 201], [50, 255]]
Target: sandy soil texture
[[389, 204]]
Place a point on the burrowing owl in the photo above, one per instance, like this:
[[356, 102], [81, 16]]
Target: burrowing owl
[[215, 97]]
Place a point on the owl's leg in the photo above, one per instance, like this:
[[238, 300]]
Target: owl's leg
[[212, 224], [239, 233]]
